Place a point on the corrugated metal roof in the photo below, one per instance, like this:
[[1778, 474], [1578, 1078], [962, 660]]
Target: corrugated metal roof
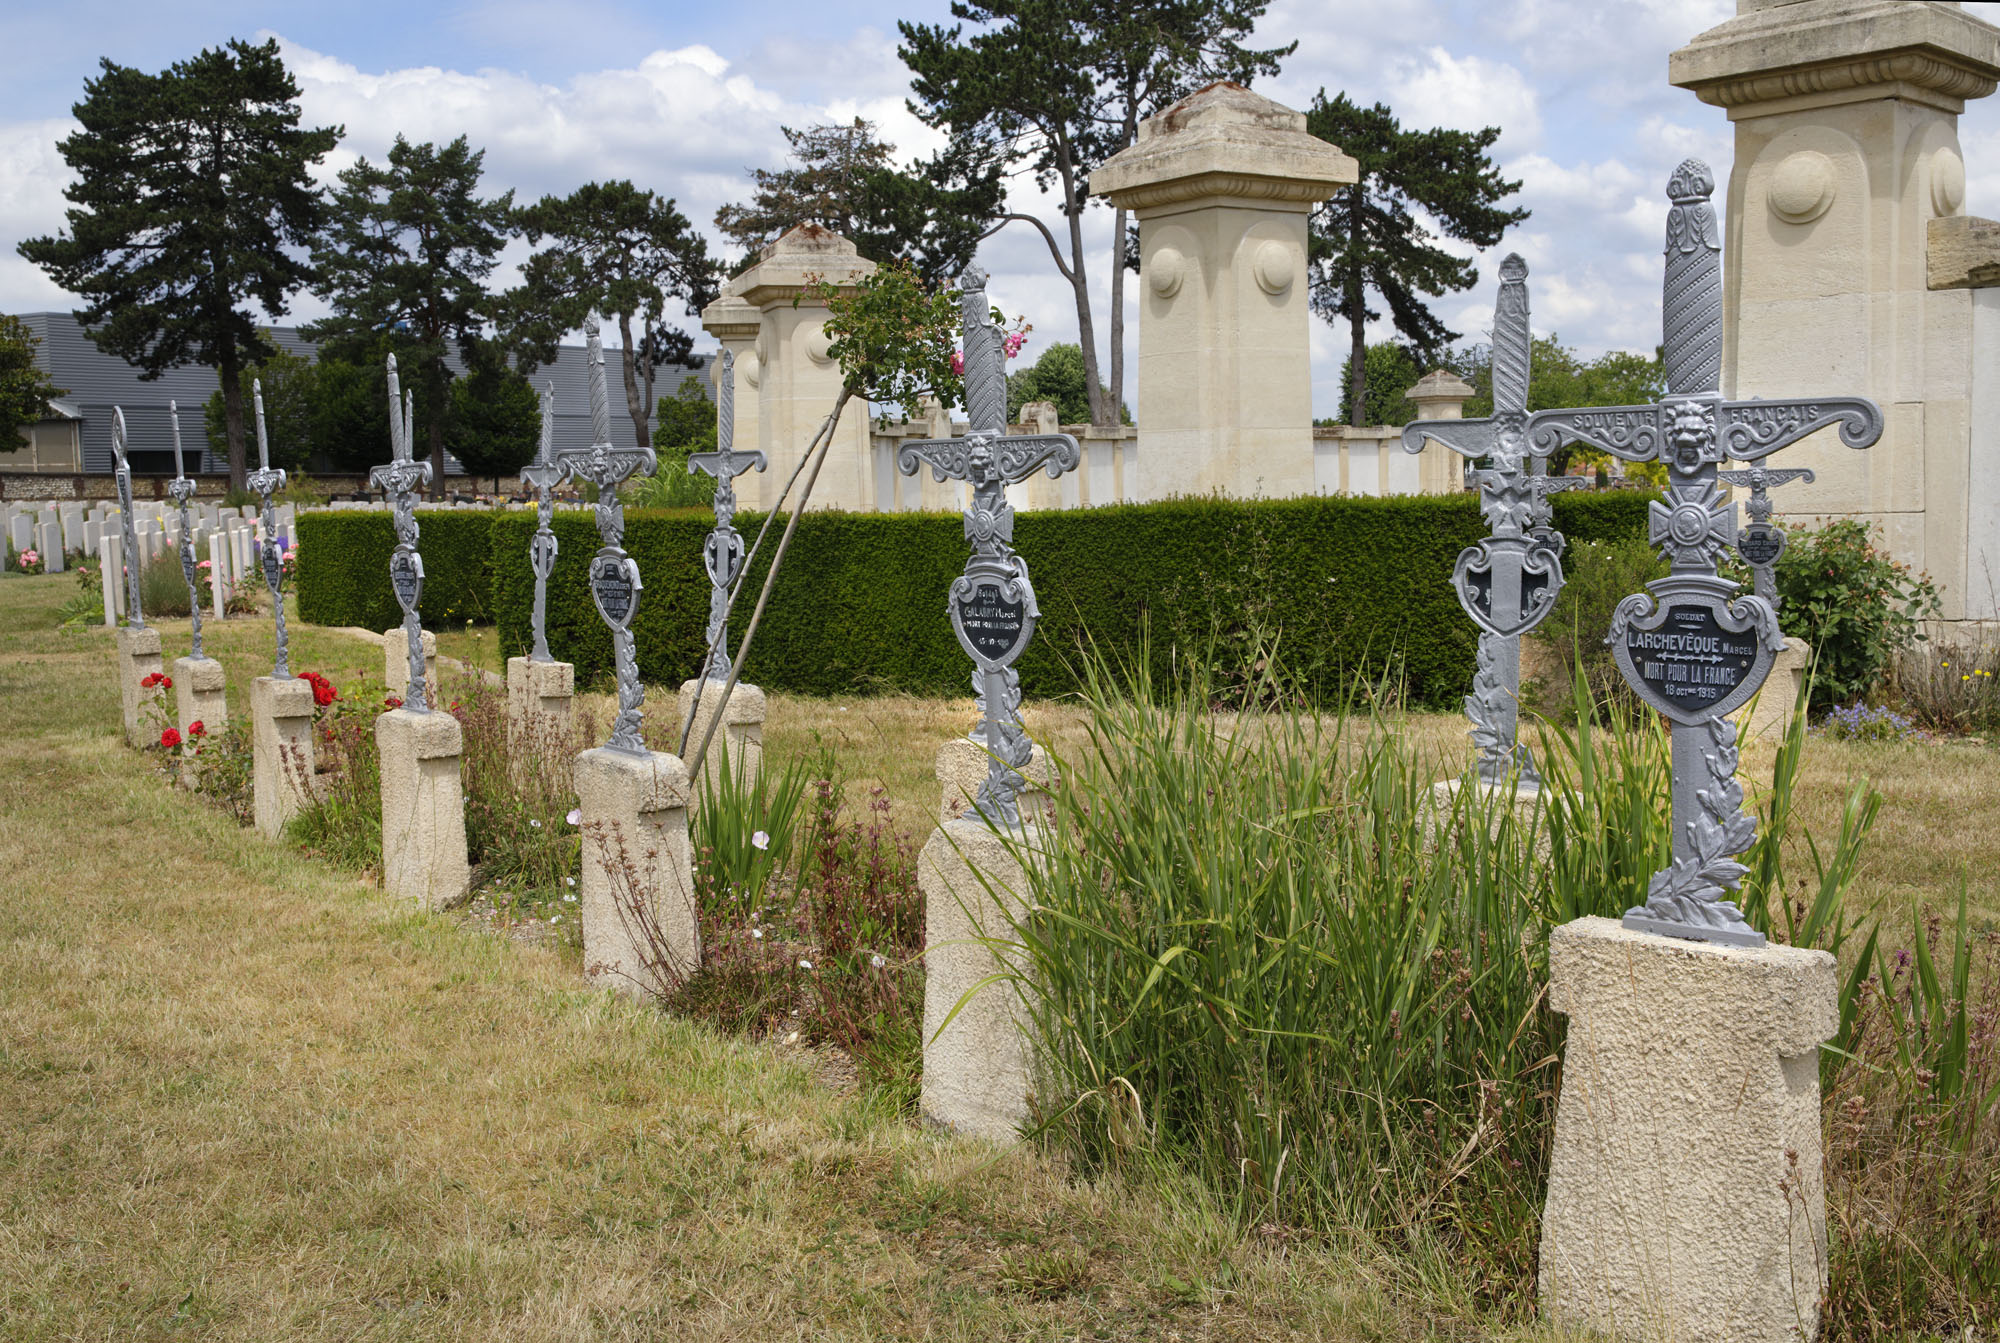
[[97, 381]]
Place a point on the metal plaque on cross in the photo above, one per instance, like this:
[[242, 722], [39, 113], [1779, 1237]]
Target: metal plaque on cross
[[135, 616], [402, 478], [180, 489], [1760, 542], [544, 474], [266, 480], [722, 553], [992, 605]]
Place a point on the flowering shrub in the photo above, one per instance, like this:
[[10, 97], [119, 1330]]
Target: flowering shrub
[[29, 562], [1857, 607], [170, 738], [1011, 343], [323, 690], [1860, 722], [288, 561], [1952, 687], [156, 680]]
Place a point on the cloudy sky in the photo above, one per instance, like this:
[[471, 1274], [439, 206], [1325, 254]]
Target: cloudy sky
[[684, 97]]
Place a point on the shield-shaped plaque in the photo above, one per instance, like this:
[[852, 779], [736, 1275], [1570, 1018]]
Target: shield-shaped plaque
[[406, 576], [722, 554], [542, 550], [274, 567], [992, 627], [614, 586], [1507, 584], [1760, 543], [1693, 657]]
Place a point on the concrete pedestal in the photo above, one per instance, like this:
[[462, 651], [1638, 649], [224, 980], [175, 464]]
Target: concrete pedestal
[[138, 658], [198, 698], [962, 764], [1771, 712], [281, 736], [396, 663], [977, 1070], [1687, 1194], [742, 728], [541, 721], [640, 934], [423, 808]]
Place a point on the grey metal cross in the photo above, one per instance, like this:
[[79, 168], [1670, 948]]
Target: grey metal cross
[[722, 554], [992, 605], [545, 474], [614, 576], [1508, 582], [403, 479], [134, 616], [266, 479], [180, 489], [1762, 541], [1694, 649]]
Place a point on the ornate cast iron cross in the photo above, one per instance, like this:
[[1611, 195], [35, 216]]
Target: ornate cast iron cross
[[992, 605], [180, 489], [723, 552], [266, 479], [403, 478], [1509, 581], [1693, 648], [1763, 541], [545, 474], [614, 576], [134, 616]]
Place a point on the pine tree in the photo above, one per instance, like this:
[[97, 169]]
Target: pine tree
[[194, 200], [1368, 237], [496, 417]]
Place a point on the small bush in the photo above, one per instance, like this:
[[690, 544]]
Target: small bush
[[1861, 722], [344, 822], [1952, 686], [1599, 575], [1856, 607]]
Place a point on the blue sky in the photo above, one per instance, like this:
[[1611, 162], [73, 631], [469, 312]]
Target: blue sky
[[685, 97]]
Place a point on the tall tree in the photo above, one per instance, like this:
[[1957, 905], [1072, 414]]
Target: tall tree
[[496, 417], [1369, 237], [24, 389], [620, 251], [290, 384], [844, 176], [193, 201], [406, 254], [1393, 369], [1059, 86]]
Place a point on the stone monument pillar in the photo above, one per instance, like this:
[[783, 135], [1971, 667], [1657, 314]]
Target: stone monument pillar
[[741, 733], [138, 658], [1848, 189], [423, 807], [282, 756], [540, 709], [640, 930], [1439, 395], [199, 697], [793, 374], [396, 662], [1221, 183], [1654, 1228]]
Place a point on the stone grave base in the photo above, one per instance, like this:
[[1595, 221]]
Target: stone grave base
[[198, 698], [138, 658], [961, 768], [1686, 1192], [396, 664], [281, 740], [1525, 800], [1770, 714], [742, 728], [540, 710], [639, 929], [423, 808], [976, 1071]]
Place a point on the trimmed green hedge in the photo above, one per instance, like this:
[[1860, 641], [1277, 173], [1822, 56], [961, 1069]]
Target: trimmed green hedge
[[1352, 584]]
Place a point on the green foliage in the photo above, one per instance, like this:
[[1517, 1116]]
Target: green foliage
[[496, 418], [193, 205], [1368, 236], [685, 425], [1392, 370], [24, 389], [1559, 377], [290, 385], [1058, 376], [1856, 606], [343, 567], [732, 870], [894, 337], [1598, 575]]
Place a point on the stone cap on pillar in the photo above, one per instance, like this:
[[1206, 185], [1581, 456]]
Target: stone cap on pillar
[[730, 318], [1220, 143], [784, 268], [1815, 53], [1963, 252], [1440, 395]]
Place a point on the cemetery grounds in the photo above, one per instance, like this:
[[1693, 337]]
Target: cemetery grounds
[[246, 1096]]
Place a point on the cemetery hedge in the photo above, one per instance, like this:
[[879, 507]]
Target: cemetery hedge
[[1354, 585]]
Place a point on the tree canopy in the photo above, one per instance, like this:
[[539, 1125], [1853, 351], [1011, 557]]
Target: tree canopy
[[290, 384], [193, 201], [24, 389], [1393, 369], [1057, 375], [496, 417]]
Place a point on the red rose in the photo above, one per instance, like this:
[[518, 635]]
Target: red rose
[[167, 682], [392, 702], [322, 694], [150, 680], [170, 738], [197, 729]]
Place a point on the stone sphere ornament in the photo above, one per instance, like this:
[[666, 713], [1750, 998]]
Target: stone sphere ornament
[[1947, 181], [1802, 188], [1273, 267], [1164, 272]]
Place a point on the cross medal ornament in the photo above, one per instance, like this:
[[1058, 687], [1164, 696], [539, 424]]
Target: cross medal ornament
[[1509, 581], [134, 617], [403, 478], [992, 605], [723, 552], [266, 479], [1691, 646], [544, 475], [614, 577], [180, 489]]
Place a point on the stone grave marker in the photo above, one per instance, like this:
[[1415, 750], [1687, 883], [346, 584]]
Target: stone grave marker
[[201, 700], [281, 706], [138, 646], [541, 690]]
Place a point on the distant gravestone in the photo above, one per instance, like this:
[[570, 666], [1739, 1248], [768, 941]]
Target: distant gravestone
[[403, 478]]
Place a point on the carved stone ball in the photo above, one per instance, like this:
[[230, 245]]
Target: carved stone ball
[[1802, 187], [752, 368], [1273, 267], [1947, 181], [1164, 271], [819, 345]]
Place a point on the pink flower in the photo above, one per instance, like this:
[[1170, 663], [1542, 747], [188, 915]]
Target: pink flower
[[1013, 343], [958, 363]]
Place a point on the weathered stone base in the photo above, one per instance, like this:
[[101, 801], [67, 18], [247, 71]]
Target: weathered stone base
[[962, 764], [1686, 1192], [138, 658], [281, 743], [541, 721], [199, 697], [396, 664], [977, 1070], [742, 731], [423, 808], [1770, 714], [1525, 800], [640, 934]]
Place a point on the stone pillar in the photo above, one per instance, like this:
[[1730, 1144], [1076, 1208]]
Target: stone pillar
[[1440, 395], [199, 697], [796, 379], [282, 756], [962, 764], [138, 658], [1847, 172], [977, 1070], [423, 807], [1770, 713], [1686, 1196], [737, 324], [741, 733], [540, 710], [640, 933], [396, 663], [1221, 183]]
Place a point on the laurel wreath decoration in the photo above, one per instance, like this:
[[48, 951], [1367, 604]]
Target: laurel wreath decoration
[[1692, 890]]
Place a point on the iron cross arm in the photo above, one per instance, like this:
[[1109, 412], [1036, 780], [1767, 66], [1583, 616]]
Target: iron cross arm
[[1743, 430], [726, 462], [1015, 457], [1467, 438], [400, 477], [604, 465]]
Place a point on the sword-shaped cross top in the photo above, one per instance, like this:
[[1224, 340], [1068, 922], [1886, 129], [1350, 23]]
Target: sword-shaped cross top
[[722, 553], [1762, 541], [402, 478], [180, 489], [545, 474], [266, 480], [992, 605], [134, 616]]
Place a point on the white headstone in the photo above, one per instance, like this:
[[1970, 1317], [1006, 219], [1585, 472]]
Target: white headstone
[[52, 547]]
